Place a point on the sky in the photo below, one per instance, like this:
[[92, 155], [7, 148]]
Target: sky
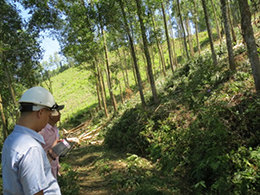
[[49, 45]]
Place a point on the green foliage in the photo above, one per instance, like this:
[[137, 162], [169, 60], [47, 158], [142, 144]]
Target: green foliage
[[68, 181], [247, 175], [125, 132], [19, 56], [75, 92], [208, 112], [139, 177]]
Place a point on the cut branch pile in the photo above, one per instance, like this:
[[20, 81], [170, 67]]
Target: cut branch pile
[[82, 132]]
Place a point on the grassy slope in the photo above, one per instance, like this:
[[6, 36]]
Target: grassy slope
[[73, 89]]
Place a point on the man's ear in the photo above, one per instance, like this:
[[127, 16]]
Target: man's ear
[[39, 113]]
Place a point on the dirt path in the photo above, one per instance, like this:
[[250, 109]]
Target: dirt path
[[105, 172], [93, 163]]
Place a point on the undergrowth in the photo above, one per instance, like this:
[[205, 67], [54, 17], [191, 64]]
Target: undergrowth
[[205, 132], [68, 180]]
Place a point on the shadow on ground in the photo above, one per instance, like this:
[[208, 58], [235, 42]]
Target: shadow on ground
[[93, 163], [103, 172]]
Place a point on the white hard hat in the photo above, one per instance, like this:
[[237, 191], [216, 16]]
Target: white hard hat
[[38, 96]]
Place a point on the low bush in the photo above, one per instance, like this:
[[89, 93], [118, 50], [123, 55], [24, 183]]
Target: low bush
[[68, 180], [206, 134]]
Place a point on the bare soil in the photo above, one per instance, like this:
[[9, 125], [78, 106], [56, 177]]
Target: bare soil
[[92, 163]]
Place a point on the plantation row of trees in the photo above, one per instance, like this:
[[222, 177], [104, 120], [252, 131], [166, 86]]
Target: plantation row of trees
[[109, 37]]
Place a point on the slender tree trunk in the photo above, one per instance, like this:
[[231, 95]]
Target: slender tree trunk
[[231, 25], [228, 36], [138, 75], [172, 42], [152, 55], [145, 62], [189, 36], [133, 67], [10, 84], [216, 19], [109, 83], [248, 35], [196, 26], [122, 67], [183, 30], [102, 89], [3, 119], [147, 54], [214, 57], [159, 48], [103, 83], [167, 38], [126, 72], [98, 92], [173, 47], [180, 39], [11, 88], [121, 92], [174, 50], [48, 81]]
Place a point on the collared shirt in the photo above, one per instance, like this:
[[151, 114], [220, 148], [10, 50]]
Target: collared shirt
[[25, 166], [50, 135]]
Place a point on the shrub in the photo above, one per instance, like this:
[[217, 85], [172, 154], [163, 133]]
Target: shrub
[[68, 180], [124, 134]]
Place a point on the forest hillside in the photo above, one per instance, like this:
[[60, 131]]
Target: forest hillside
[[154, 113], [203, 137]]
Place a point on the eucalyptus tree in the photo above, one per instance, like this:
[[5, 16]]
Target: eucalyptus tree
[[167, 36], [183, 29], [100, 87], [205, 9], [186, 11], [157, 33], [255, 7], [4, 133], [234, 10], [194, 12], [216, 19], [230, 18], [146, 50], [105, 11], [133, 53], [116, 41], [46, 75], [228, 36], [187, 24], [124, 69], [79, 40], [248, 35], [55, 61], [171, 22], [19, 56], [126, 62]]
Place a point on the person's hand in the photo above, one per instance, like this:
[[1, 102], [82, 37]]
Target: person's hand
[[55, 142], [51, 154]]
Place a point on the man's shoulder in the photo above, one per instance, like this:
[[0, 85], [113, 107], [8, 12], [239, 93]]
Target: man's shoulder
[[19, 141]]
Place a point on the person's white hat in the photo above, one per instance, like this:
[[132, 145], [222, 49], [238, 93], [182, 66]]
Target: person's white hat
[[37, 98]]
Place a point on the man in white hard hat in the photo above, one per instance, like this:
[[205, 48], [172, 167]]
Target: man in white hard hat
[[25, 165]]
